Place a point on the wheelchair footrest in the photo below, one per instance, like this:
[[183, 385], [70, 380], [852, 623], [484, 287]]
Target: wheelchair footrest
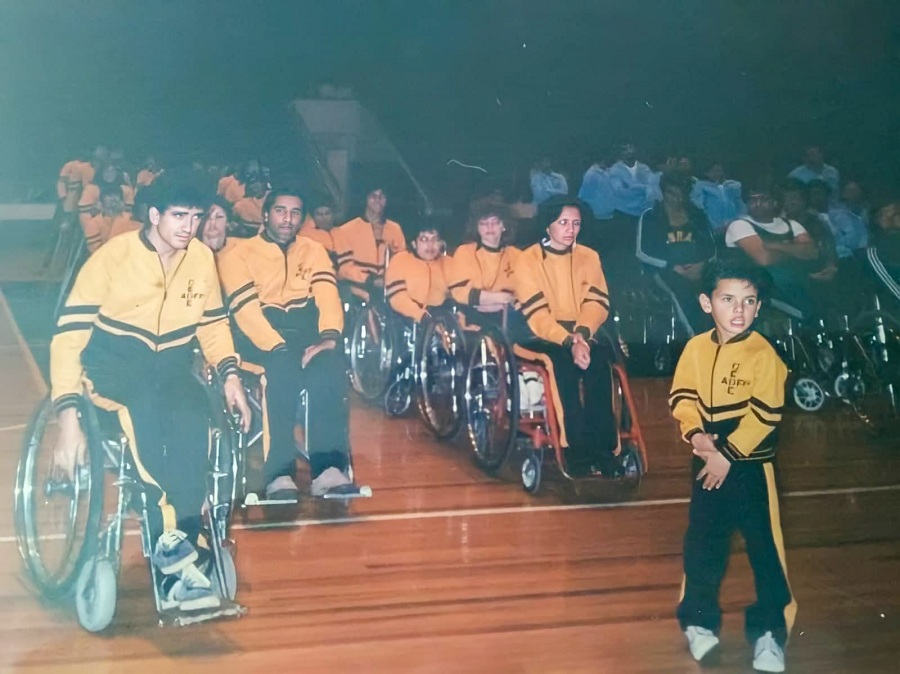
[[178, 618], [349, 491], [253, 499]]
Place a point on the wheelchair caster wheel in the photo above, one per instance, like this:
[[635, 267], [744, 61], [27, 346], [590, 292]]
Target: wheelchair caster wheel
[[95, 595], [398, 398], [662, 360], [808, 394], [849, 386], [531, 473], [632, 465]]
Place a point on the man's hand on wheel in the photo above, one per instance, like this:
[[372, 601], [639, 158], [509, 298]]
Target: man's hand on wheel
[[236, 400], [70, 446]]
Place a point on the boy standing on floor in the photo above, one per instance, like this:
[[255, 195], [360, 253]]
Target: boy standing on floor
[[727, 395]]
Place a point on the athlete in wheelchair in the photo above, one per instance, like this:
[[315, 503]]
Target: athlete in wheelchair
[[124, 343], [563, 387], [283, 297]]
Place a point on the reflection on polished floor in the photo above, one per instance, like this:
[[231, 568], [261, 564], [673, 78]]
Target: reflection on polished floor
[[447, 570]]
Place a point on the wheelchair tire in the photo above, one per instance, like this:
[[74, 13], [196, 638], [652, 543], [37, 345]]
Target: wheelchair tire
[[95, 595], [398, 397], [531, 473], [441, 410], [492, 379], [230, 575], [55, 581], [371, 366]]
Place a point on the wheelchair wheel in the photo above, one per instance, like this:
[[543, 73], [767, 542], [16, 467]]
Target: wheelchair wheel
[[808, 394], [531, 473], [229, 575], [492, 399], [95, 595], [440, 353], [875, 362], [631, 463], [57, 519], [398, 397], [372, 353]]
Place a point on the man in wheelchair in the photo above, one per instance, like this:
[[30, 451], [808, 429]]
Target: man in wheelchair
[[126, 334], [563, 294], [282, 292]]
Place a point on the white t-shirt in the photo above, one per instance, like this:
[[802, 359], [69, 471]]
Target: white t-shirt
[[741, 229]]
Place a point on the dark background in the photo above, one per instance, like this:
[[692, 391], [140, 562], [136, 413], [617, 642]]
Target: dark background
[[488, 83]]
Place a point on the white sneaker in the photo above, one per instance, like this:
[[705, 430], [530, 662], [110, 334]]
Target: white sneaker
[[189, 590], [328, 480], [701, 641], [282, 489], [768, 656]]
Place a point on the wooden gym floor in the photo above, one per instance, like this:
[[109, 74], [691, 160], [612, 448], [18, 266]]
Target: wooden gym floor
[[447, 570]]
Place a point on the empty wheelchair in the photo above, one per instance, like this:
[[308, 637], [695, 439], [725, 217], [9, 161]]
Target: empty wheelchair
[[510, 418], [69, 530]]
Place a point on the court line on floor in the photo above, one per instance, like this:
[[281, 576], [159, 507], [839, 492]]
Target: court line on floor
[[17, 427], [512, 510], [33, 368]]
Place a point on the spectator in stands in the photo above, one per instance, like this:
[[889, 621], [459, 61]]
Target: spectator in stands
[[815, 168], [675, 242], [596, 190], [883, 253], [545, 182], [635, 187], [795, 207], [783, 247], [848, 218], [719, 198]]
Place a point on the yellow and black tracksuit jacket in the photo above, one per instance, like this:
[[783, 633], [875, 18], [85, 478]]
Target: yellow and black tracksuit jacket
[[89, 203], [360, 257], [73, 177], [734, 390], [413, 285], [233, 190], [249, 210], [124, 308], [222, 185], [98, 229], [272, 287], [561, 292], [475, 267], [310, 231]]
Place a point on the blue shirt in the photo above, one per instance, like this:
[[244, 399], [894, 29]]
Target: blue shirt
[[634, 191], [546, 185], [829, 174], [596, 190], [851, 230], [721, 202]]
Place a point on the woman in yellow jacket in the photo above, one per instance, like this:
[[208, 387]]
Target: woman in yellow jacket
[[481, 273], [562, 291], [415, 280]]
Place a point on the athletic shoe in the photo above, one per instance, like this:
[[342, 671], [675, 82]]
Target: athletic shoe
[[282, 488], [173, 552], [768, 656], [330, 478], [701, 641], [189, 590]]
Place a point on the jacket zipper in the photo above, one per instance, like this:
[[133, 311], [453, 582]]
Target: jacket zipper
[[712, 381]]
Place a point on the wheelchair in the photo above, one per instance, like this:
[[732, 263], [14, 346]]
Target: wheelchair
[[396, 361], [242, 495], [509, 416], [68, 539]]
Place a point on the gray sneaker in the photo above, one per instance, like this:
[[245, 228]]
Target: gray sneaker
[[330, 478], [768, 656], [701, 641], [190, 590], [282, 488], [173, 552]]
